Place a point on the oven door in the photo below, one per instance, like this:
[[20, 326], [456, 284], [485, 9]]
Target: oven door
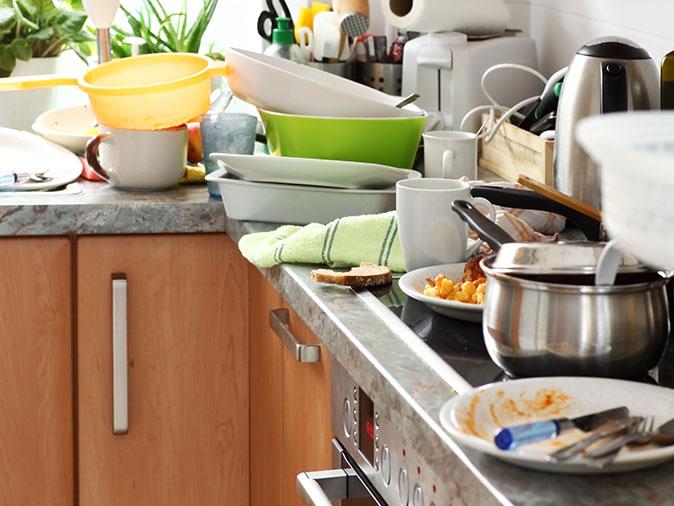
[[345, 486]]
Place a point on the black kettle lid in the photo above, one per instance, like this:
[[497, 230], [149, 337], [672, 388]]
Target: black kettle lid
[[617, 48]]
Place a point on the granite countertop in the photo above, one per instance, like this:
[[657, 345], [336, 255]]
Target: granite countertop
[[396, 370], [100, 209]]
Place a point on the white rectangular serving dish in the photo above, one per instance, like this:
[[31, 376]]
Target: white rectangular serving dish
[[294, 204]]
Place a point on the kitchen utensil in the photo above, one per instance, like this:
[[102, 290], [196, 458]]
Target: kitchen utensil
[[137, 160], [305, 19], [354, 16], [102, 15], [446, 69], [385, 77], [608, 429], [412, 284], [342, 69], [607, 453], [665, 434], [12, 178], [70, 127], [450, 155], [305, 39], [557, 196], [326, 36], [430, 233], [226, 133], [28, 155], [472, 417], [351, 139], [637, 207], [607, 75], [561, 324], [509, 438], [408, 100], [312, 172], [300, 205], [266, 22], [527, 199], [147, 92], [546, 106], [607, 267], [300, 89]]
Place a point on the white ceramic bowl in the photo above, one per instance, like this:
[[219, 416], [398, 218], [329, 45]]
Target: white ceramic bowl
[[71, 127], [284, 86], [636, 154]]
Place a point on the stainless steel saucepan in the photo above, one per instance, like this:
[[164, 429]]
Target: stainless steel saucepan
[[543, 316]]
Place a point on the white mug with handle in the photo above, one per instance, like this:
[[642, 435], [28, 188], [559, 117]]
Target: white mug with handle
[[431, 233], [451, 155]]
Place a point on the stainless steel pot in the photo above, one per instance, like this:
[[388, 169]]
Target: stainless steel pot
[[555, 324]]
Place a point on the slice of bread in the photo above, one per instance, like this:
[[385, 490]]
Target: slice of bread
[[359, 277]]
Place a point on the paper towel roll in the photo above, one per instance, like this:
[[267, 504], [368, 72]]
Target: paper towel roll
[[473, 17]]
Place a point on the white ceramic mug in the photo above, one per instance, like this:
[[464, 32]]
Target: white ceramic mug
[[139, 159], [431, 233], [450, 155]]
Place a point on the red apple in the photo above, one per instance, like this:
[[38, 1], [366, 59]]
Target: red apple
[[195, 148]]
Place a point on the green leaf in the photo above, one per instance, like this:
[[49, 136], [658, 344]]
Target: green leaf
[[7, 18], [42, 35], [70, 22], [21, 49], [7, 59]]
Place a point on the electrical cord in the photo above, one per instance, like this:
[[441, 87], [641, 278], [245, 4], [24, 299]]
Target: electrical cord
[[489, 133]]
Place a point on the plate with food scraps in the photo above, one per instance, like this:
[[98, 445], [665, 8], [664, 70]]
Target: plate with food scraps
[[418, 285], [312, 172], [473, 418]]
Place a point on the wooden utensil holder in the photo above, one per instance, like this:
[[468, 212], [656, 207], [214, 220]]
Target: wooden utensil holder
[[514, 151]]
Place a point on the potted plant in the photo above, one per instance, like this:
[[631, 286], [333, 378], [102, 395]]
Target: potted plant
[[33, 36], [164, 31]]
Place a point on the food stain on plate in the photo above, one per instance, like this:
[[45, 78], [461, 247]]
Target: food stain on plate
[[488, 411]]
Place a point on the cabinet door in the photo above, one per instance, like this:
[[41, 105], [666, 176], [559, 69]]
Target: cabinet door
[[307, 433], [266, 396], [36, 378], [187, 335]]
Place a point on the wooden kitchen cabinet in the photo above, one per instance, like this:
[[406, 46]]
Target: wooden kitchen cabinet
[[188, 403], [290, 403], [36, 380]]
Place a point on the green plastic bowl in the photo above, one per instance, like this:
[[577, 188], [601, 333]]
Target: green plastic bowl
[[386, 141]]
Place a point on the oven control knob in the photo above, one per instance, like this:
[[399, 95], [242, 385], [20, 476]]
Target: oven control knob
[[385, 463], [403, 486], [417, 496], [346, 418]]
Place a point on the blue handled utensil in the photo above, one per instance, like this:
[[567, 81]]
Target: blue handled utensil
[[509, 438]]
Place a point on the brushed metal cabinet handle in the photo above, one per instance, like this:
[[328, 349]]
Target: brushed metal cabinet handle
[[303, 353], [120, 377]]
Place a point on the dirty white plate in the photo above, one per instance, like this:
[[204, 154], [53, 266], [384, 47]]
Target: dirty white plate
[[70, 127], [312, 172], [26, 152], [413, 283], [473, 417]]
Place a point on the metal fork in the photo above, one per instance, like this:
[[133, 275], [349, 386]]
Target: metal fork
[[605, 454]]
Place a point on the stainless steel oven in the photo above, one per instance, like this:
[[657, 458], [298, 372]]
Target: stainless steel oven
[[374, 464]]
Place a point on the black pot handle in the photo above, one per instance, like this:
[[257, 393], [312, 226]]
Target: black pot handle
[[527, 199], [486, 229]]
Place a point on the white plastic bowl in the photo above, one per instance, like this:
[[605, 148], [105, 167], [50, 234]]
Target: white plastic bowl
[[70, 127], [284, 86], [636, 154]]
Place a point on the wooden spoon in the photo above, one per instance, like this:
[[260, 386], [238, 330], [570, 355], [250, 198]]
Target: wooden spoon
[[562, 198]]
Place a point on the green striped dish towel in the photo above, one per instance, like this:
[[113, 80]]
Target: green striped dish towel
[[345, 242]]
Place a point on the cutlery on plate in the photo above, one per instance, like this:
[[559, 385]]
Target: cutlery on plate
[[605, 454], [509, 438], [12, 178], [610, 428]]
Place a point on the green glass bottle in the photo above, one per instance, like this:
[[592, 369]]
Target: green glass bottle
[[667, 82]]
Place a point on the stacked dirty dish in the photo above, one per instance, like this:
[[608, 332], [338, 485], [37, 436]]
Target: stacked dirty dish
[[337, 147]]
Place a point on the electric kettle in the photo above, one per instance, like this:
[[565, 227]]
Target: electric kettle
[[609, 74]]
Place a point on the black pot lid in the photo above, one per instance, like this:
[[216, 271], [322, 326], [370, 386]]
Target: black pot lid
[[616, 48]]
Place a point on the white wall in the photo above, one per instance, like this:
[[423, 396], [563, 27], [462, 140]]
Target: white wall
[[560, 27]]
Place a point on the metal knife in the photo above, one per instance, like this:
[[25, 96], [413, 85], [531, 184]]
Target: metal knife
[[610, 428], [509, 438]]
